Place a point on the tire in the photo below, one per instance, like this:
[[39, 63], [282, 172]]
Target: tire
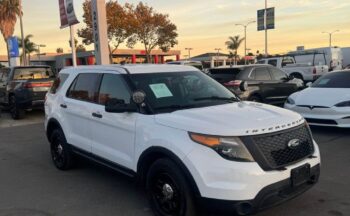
[[16, 112], [168, 191], [255, 99], [61, 153]]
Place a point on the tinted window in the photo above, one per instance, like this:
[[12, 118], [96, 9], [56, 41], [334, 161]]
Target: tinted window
[[262, 74], [334, 80], [58, 83], [113, 87], [32, 73], [224, 75], [278, 74], [85, 87], [273, 62]]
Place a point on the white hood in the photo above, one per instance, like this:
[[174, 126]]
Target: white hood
[[327, 97], [236, 119]]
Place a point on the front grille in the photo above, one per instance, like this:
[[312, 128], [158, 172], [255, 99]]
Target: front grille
[[271, 151]]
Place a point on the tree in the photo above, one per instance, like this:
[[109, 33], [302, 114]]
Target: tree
[[118, 24], [30, 47], [9, 10], [80, 48], [75, 43], [59, 50], [233, 44], [152, 29]]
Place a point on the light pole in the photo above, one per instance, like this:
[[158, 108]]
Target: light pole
[[189, 52], [330, 36], [24, 58], [40, 45], [245, 38], [217, 55], [265, 19]]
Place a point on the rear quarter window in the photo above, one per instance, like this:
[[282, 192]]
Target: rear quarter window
[[58, 83]]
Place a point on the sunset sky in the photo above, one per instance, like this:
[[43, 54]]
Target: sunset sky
[[206, 25]]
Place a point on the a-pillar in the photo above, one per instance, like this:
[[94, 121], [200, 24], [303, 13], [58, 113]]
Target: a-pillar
[[177, 57], [133, 59]]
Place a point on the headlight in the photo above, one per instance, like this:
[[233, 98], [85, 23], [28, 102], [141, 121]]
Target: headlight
[[343, 104], [290, 101], [230, 148]]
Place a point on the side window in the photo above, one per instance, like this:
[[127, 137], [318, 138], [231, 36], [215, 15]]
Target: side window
[[262, 74], [278, 74], [85, 88], [58, 83], [273, 62], [113, 87], [287, 61]]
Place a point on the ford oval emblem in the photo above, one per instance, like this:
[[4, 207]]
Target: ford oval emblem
[[294, 143]]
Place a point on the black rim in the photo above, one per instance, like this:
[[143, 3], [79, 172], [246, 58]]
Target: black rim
[[166, 195], [57, 152]]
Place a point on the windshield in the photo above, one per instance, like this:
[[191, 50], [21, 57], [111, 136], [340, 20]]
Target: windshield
[[33, 73], [333, 80], [167, 92]]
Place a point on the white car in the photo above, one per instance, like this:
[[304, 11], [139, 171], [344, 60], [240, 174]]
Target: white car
[[187, 138], [326, 102]]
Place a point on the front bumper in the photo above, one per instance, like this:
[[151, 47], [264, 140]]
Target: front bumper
[[330, 117], [269, 196], [220, 179]]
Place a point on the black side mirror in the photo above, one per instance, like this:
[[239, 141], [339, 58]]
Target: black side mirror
[[119, 106], [243, 86]]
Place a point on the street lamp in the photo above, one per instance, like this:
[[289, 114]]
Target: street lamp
[[40, 45], [217, 55], [245, 38], [330, 36], [24, 57], [189, 52]]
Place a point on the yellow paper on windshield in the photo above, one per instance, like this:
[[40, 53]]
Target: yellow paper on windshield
[[160, 90]]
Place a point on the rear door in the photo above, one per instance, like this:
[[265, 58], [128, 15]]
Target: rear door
[[113, 134], [77, 108], [264, 84], [282, 85]]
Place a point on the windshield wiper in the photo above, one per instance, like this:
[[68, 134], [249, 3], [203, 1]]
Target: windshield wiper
[[175, 107], [231, 99]]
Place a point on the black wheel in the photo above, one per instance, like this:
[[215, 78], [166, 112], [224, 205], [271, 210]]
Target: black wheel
[[255, 99], [16, 112], [61, 153], [168, 190]]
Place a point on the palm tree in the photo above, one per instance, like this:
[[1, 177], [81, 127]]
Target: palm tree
[[59, 50], [233, 44], [30, 47], [9, 10]]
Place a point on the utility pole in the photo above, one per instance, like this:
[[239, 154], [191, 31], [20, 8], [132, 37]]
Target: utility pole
[[245, 38], [189, 53], [217, 55], [330, 36], [265, 18], [24, 57]]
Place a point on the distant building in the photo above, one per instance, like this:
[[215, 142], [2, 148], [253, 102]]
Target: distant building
[[130, 56], [211, 60]]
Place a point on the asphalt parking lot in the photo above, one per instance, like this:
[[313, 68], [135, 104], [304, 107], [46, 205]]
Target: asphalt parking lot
[[31, 186]]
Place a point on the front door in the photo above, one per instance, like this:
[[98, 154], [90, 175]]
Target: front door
[[113, 134]]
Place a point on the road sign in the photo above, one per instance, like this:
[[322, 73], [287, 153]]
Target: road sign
[[270, 19], [261, 20]]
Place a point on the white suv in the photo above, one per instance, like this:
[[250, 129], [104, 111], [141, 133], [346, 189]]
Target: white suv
[[188, 139]]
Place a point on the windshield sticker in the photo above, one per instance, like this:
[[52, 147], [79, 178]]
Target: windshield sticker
[[160, 90], [324, 81]]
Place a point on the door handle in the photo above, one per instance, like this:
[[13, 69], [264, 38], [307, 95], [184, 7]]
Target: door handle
[[64, 106], [97, 115]]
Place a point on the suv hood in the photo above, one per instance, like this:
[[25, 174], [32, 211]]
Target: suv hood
[[327, 97], [236, 119]]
